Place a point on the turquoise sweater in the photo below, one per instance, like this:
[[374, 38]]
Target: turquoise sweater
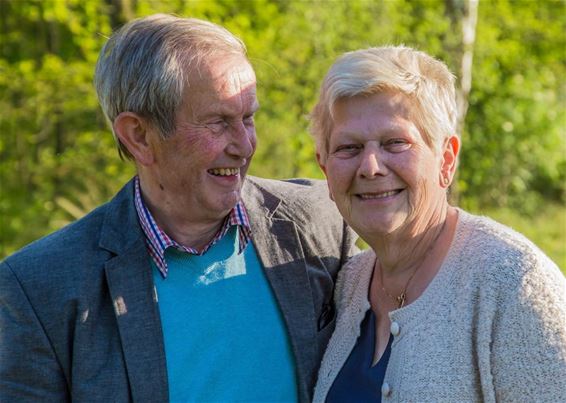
[[225, 338]]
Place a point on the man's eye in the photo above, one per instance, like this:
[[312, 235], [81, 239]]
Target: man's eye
[[217, 126], [249, 120], [396, 145]]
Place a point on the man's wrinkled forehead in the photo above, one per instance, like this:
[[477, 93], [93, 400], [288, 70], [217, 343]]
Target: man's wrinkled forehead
[[223, 73], [227, 80]]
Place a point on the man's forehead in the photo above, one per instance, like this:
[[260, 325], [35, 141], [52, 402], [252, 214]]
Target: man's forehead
[[222, 72], [221, 85]]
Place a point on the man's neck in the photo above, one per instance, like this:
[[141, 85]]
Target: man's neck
[[191, 229], [195, 235]]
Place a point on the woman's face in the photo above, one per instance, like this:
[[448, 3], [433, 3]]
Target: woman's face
[[381, 173]]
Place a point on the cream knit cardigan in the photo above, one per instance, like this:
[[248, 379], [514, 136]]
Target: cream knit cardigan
[[491, 326]]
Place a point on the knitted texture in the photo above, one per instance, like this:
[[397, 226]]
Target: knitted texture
[[491, 325]]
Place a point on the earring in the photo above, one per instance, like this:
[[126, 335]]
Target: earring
[[445, 181]]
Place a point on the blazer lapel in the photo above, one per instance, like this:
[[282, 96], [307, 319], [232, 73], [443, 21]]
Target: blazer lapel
[[279, 248], [131, 288]]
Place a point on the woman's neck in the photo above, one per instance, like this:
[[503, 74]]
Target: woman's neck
[[403, 271], [408, 247]]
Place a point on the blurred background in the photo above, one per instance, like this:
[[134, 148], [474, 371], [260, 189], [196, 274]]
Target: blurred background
[[58, 159]]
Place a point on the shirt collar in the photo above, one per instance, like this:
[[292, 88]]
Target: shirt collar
[[158, 241]]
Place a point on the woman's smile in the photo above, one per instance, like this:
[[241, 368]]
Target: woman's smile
[[378, 195]]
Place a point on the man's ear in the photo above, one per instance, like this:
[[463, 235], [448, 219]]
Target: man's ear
[[132, 130], [449, 160]]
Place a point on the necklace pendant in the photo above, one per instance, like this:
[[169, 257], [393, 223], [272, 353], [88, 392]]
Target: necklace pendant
[[401, 300]]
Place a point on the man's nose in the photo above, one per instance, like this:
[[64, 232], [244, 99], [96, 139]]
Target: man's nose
[[242, 140]]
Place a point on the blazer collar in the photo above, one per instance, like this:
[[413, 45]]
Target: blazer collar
[[130, 283], [278, 245], [121, 229]]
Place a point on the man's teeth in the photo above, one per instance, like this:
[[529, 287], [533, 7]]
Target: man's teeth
[[224, 171], [366, 196]]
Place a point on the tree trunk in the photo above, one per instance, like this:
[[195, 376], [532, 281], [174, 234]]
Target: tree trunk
[[463, 15], [469, 21]]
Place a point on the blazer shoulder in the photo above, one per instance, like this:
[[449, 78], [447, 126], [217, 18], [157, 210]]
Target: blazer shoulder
[[52, 250], [81, 232], [80, 240], [300, 198], [294, 187]]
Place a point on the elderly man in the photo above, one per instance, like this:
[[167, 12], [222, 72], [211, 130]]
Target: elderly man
[[191, 284]]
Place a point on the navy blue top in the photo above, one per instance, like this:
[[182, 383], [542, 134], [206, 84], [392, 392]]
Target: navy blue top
[[358, 381]]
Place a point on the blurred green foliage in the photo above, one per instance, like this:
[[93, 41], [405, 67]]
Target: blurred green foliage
[[58, 159]]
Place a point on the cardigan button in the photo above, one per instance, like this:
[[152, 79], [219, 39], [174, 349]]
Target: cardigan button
[[395, 329], [385, 389]]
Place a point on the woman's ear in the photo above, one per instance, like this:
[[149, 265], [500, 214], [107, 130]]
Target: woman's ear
[[132, 131], [319, 159], [320, 163], [450, 153]]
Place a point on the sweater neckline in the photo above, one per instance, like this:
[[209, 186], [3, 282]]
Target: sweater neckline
[[443, 277]]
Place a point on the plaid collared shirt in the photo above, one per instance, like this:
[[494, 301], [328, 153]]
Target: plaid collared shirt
[[158, 241]]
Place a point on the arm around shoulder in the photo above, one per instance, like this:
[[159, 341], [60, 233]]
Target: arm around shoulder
[[29, 370]]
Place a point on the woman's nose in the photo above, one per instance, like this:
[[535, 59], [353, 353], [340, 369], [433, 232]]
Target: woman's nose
[[372, 163]]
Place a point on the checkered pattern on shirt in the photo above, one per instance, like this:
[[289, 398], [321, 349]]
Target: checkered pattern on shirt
[[158, 241]]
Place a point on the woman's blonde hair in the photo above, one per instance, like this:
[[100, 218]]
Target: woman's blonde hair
[[427, 83]]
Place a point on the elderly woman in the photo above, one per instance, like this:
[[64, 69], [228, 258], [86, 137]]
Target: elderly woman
[[444, 306]]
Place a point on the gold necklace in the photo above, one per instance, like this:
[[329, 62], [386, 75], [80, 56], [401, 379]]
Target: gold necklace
[[401, 298]]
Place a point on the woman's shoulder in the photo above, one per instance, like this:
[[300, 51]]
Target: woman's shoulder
[[496, 239], [355, 275], [357, 266], [501, 254]]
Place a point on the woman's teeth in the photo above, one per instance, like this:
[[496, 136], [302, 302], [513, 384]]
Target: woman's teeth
[[367, 196]]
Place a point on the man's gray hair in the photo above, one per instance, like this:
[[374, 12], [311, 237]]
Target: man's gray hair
[[427, 83], [143, 67]]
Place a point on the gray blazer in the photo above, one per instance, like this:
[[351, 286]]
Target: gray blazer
[[78, 314]]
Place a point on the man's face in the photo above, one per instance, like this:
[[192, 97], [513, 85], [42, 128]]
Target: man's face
[[202, 166]]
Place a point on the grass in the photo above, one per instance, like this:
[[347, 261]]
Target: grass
[[547, 228]]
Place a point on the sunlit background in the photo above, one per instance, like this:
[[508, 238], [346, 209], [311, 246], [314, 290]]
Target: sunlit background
[[58, 160]]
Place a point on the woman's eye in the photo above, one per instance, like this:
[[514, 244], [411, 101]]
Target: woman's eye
[[347, 149]]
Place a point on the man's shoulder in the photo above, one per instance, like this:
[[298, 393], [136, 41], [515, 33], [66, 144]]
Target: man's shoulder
[[293, 190], [77, 243], [306, 203], [74, 238]]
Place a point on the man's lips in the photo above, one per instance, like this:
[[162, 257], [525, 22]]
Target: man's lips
[[224, 171]]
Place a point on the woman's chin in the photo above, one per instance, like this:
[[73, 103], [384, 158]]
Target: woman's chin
[[368, 231]]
